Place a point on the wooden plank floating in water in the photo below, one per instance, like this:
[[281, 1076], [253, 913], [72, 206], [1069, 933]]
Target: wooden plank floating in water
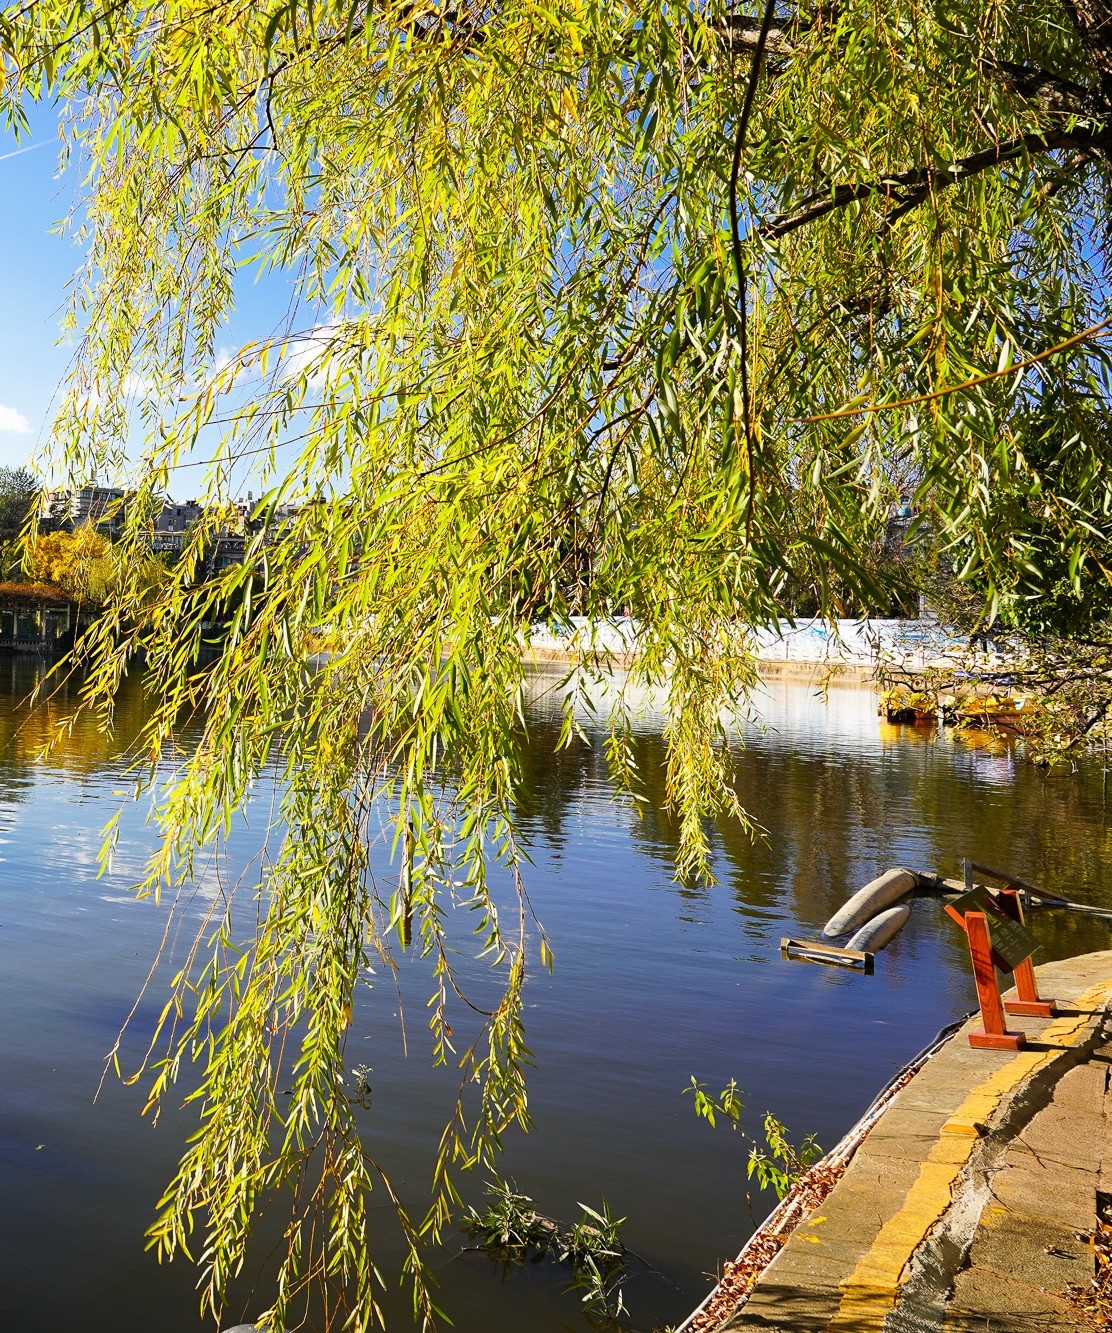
[[810, 951]]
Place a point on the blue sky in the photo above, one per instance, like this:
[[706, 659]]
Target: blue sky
[[38, 265], [36, 268]]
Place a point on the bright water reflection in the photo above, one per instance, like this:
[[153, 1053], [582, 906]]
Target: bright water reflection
[[654, 982]]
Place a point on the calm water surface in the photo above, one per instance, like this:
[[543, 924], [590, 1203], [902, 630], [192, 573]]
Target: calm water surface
[[654, 983]]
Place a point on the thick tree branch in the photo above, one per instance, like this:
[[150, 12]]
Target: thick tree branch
[[739, 32], [1062, 96], [1093, 20], [905, 189]]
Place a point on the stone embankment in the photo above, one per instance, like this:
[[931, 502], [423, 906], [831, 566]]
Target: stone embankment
[[973, 1202]]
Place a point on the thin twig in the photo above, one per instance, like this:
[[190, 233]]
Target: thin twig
[[1094, 331]]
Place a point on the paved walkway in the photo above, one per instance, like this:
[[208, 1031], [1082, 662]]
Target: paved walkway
[[971, 1204]]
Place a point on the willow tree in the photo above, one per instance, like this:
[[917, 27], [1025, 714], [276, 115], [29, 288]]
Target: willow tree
[[692, 290]]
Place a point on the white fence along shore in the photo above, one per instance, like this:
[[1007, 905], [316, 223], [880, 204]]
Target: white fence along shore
[[821, 643]]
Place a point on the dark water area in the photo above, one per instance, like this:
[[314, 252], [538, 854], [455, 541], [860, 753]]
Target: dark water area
[[654, 982]]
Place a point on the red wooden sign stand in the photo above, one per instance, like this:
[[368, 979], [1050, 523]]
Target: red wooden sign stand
[[1027, 1002], [993, 1035]]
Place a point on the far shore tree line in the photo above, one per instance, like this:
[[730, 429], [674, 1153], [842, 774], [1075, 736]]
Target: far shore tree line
[[76, 564], [48, 555], [1054, 637], [80, 560]]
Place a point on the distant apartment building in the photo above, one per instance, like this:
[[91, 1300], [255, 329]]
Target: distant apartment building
[[173, 522], [226, 550], [102, 506], [228, 544], [275, 523], [105, 507], [178, 516]]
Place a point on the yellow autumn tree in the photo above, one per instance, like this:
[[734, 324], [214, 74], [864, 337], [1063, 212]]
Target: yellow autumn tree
[[78, 562]]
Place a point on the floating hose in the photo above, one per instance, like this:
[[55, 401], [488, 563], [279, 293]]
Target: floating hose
[[879, 893], [881, 930]]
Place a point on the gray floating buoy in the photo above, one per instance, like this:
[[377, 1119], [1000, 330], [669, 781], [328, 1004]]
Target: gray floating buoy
[[883, 928], [867, 902]]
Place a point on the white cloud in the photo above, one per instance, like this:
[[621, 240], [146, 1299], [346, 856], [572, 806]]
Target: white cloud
[[227, 370], [132, 390], [16, 422], [302, 356]]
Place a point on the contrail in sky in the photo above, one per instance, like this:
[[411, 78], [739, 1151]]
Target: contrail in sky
[[43, 143]]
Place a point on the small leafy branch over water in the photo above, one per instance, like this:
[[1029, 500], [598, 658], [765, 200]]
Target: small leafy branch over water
[[511, 1228], [776, 1163]]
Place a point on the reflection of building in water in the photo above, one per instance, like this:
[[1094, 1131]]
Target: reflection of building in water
[[846, 712], [593, 697]]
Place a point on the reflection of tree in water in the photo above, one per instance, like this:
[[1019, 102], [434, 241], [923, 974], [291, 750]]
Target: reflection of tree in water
[[84, 748], [832, 821], [553, 780], [1052, 828], [747, 859]]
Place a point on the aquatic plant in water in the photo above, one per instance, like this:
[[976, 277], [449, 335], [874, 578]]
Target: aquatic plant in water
[[511, 1228]]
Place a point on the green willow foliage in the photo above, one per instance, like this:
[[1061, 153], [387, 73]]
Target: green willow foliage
[[515, 353]]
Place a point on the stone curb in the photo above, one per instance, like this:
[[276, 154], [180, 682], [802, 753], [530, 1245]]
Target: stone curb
[[846, 1265]]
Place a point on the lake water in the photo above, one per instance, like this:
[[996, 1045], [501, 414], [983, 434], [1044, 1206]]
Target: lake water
[[654, 983]]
